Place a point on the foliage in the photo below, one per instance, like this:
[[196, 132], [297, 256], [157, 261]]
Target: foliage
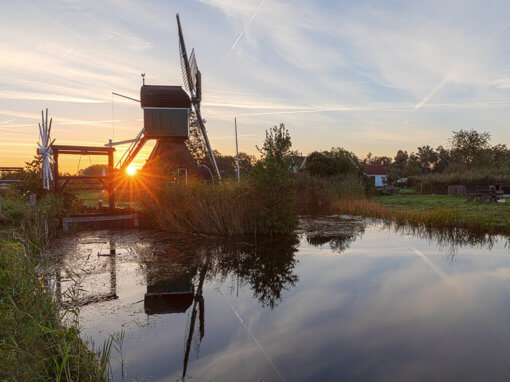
[[409, 210], [273, 196], [337, 161], [264, 203], [201, 208], [437, 211], [256, 265], [227, 164], [468, 146], [33, 226], [438, 183], [272, 185], [34, 343], [319, 195], [277, 146], [93, 170]]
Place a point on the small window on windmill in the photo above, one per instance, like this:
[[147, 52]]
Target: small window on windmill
[[166, 111]]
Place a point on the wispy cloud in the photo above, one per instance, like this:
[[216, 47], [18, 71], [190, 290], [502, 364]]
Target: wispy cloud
[[242, 32]]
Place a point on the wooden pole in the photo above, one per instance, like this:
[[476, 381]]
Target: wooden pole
[[237, 153], [111, 186], [55, 168]]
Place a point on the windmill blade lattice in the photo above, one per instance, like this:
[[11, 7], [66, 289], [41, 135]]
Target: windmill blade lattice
[[192, 82], [44, 150]]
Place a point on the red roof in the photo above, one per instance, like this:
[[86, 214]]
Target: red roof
[[374, 169]]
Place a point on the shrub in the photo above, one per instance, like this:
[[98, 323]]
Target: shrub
[[320, 195], [438, 183]]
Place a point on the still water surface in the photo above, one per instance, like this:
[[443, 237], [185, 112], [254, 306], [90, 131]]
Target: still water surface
[[346, 299]]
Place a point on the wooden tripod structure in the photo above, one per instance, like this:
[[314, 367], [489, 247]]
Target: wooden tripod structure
[[107, 180]]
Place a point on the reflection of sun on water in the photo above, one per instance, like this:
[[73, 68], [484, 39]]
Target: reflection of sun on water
[[131, 170]]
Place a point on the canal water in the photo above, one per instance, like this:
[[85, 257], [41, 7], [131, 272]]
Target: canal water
[[345, 299]]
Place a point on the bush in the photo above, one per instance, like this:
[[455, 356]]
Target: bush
[[438, 183], [33, 226], [330, 163], [273, 197], [320, 195]]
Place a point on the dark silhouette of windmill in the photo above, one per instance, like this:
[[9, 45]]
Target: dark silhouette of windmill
[[167, 110]]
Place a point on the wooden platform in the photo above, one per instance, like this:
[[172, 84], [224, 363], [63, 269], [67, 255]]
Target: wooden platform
[[98, 218]]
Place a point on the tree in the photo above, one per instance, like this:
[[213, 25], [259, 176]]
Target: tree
[[412, 166], [427, 158], [443, 159], [400, 159], [467, 147], [273, 185], [329, 163], [277, 145]]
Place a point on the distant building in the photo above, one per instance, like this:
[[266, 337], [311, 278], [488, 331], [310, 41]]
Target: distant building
[[378, 172]]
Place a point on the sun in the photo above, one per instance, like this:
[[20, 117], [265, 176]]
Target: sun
[[131, 170]]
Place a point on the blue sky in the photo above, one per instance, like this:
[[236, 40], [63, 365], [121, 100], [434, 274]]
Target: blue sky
[[389, 75]]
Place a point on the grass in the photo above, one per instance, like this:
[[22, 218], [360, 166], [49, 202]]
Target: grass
[[90, 198], [434, 211], [39, 341], [204, 209], [34, 344]]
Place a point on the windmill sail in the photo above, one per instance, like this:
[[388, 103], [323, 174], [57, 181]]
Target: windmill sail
[[44, 150], [192, 83]]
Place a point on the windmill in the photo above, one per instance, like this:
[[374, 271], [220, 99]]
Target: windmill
[[167, 112], [193, 82], [44, 151]]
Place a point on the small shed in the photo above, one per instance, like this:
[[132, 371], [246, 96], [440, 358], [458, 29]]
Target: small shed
[[166, 111], [378, 172]]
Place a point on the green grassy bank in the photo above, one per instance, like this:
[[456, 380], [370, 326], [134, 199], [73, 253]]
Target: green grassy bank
[[38, 340], [434, 211]]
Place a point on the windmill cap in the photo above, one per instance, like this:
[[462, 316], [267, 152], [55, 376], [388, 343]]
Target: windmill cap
[[164, 96]]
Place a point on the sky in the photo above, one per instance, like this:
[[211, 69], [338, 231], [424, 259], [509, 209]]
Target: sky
[[369, 76]]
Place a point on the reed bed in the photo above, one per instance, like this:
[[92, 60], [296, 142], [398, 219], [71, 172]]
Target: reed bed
[[435, 218], [319, 195], [223, 210]]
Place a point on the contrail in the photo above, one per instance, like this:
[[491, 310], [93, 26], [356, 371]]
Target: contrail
[[454, 71], [259, 345], [342, 108], [243, 32], [431, 265]]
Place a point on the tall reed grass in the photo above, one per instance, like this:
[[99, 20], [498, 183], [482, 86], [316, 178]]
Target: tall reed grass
[[200, 208], [318, 195], [34, 344], [436, 218]]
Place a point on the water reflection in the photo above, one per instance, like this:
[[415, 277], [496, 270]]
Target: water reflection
[[266, 267], [74, 278], [175, 277], [338, 232], [199, 308]]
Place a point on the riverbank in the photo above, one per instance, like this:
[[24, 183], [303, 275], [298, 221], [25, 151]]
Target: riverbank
[[38, 339], [439, 211]]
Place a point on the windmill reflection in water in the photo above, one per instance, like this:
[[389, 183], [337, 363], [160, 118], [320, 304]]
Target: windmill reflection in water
[[175, 294]]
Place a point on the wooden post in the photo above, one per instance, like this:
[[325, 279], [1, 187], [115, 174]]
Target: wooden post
[[55, 168], [111, 186]]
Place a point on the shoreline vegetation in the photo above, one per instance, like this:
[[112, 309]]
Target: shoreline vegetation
[[38, 339], [268, 200], [432, 211]]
